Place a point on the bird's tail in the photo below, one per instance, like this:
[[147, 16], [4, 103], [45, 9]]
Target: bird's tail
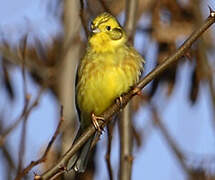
[[79, 160]]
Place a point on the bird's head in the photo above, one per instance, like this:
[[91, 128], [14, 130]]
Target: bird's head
[[106, 32]]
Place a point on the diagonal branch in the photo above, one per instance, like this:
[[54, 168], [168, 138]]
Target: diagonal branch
[[114, 109], [25, 112], [158, 122], [24, 125], [43, 158]]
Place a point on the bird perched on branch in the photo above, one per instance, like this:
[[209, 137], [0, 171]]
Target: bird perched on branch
[[109, 68]]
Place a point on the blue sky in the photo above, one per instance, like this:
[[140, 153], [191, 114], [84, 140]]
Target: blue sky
[[190, 125]]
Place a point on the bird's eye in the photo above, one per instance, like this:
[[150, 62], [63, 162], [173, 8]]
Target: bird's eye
[[108, 28]]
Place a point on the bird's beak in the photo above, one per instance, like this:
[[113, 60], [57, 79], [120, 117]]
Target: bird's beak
[[97, 30]]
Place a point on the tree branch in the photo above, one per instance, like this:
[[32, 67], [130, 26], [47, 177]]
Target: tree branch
[[131, 16], [110, 128], [125, 120], [158, 122], [126, 136], [24, 125], [22, 142], [114, 109], [43, 158]]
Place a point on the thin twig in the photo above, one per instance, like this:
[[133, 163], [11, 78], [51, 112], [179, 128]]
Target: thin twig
[[126, 158], [131, 17], [44, 156], [8, 157], [205, 65], [22, 147], [24, 125], [83, 20], [24, 112], [108, 152], [158, 122], [114, 109], [26, 115], [6, 132], [125, 122], [6, 154]]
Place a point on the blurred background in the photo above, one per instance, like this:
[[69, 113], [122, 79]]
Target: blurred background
[[173, 123]]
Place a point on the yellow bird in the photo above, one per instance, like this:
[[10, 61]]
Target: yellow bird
[[109, 68]]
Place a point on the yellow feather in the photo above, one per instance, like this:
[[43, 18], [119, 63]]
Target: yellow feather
[[108, 69]]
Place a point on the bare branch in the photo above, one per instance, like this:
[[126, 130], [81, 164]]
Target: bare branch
[[126, 158], [125, 123], [44, 156], [108, 152], [83, 20], [114, 109], [131, 17], [25, 111], [24, 125], [157, 121]]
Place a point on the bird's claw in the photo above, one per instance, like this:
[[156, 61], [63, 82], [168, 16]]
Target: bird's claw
[[95, 122]]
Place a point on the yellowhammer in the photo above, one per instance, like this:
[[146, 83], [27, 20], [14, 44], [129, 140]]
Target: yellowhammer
[[108, 69]]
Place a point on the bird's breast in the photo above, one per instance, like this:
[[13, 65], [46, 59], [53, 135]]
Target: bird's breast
[[100, 83], [99, 89]]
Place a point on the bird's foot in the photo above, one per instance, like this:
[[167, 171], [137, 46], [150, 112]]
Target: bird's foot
[[95, 122]]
